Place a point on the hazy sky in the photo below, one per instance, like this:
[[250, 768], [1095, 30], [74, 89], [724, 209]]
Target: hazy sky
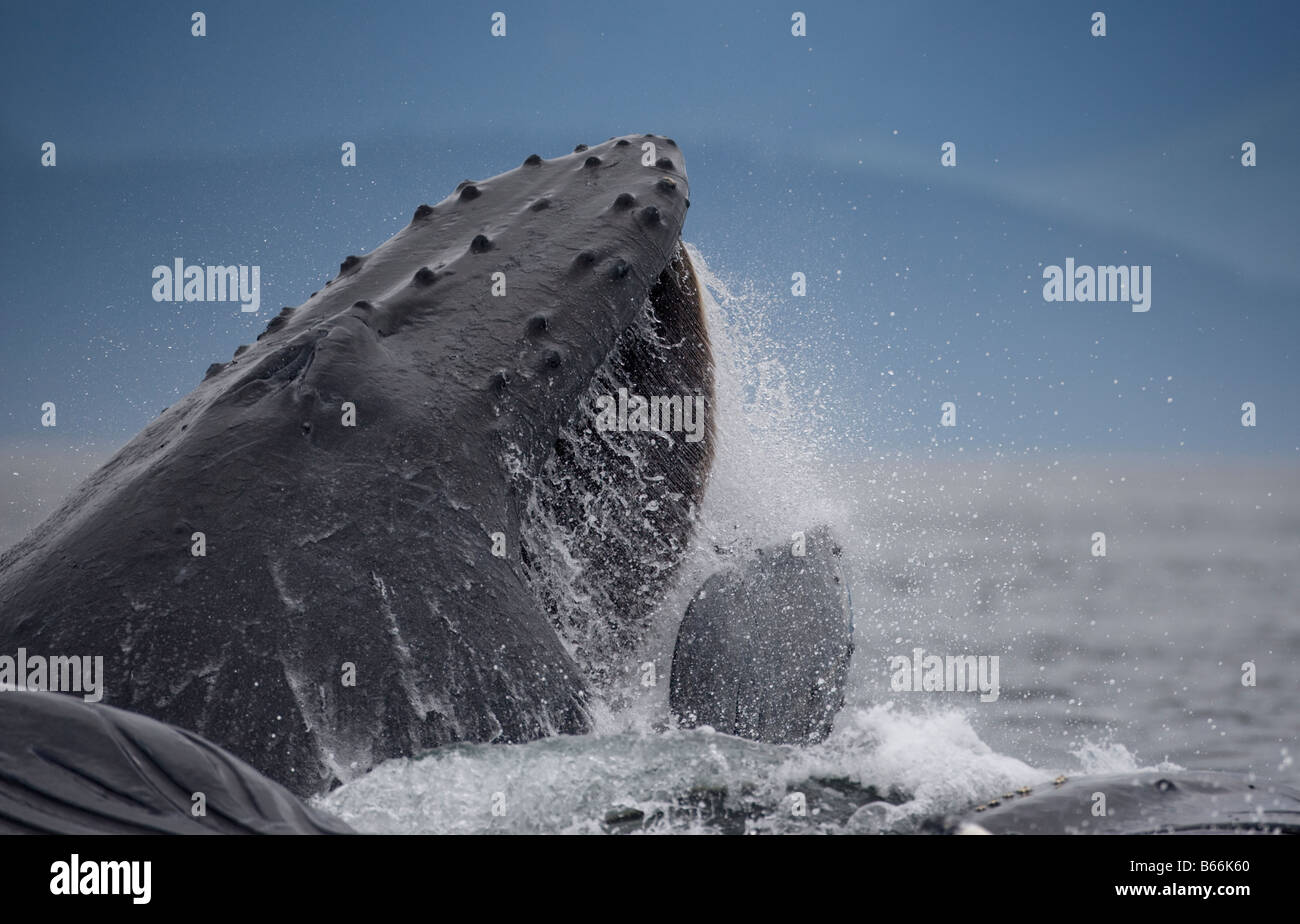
[[818, 154]]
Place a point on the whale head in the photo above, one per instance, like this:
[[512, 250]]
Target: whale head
[[335, 549]]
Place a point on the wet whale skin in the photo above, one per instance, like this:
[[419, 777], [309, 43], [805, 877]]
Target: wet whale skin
[[365, 551], [70, 767]]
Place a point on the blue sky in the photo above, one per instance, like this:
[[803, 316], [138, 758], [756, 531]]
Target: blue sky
[[816, 154]]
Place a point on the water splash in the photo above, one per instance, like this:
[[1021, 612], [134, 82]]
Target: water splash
[[948, 558]]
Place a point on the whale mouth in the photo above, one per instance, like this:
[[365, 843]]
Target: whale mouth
[[609, 515]]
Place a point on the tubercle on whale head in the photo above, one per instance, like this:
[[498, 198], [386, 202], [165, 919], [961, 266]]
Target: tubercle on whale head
[[555, 234], [494, 262], [504, 311], [581, 238]]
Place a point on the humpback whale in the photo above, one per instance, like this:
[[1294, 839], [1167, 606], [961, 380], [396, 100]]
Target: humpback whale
[[318, 558], [1146, 802], [69, 767], [336, 549]]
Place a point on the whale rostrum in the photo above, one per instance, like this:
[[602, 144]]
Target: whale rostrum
[[316, 558]]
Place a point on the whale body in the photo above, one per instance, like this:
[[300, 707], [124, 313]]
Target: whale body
[[70, 767], [317, 558], [1146, 802]]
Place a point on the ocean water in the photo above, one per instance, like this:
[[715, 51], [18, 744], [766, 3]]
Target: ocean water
[[1131, 660]]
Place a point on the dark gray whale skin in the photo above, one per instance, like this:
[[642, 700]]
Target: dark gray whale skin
[[764, 650], [370, 545], [70, 767], [1149, 802]]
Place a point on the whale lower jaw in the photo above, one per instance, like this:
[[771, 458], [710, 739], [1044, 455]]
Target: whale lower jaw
[[609, 515]]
